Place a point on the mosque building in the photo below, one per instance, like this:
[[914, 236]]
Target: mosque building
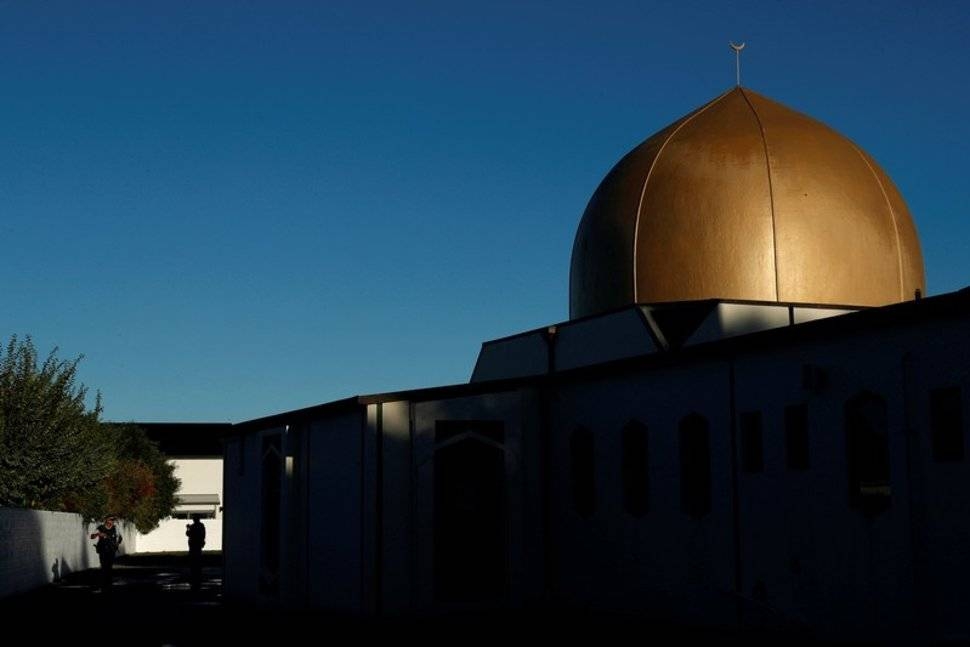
[[753, 414]]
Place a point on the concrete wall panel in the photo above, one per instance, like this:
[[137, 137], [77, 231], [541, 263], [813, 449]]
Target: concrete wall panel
[[41, 547]]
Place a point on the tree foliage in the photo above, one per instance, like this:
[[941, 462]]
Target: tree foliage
[[56, 454], [51, 445], [142, 486]]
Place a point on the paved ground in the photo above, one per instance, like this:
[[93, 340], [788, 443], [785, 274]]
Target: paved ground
[[150, 598], [151, 604]]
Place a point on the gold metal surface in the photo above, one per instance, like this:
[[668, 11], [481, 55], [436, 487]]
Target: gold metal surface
[[745, 199]]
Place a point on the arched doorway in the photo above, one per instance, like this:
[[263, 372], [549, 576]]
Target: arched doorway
[[470, 514]]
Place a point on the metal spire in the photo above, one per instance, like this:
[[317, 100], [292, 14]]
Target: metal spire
[[737, 61]]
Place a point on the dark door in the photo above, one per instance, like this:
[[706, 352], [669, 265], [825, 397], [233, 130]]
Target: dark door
[[470, 522]]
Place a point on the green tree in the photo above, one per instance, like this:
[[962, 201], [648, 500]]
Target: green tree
[[51, 445], [55, 453], [141, 488]]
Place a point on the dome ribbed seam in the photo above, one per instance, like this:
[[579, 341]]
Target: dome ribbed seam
[[646, 180], [771, 190], [892, 217]]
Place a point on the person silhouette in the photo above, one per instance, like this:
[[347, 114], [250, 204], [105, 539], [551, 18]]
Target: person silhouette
[[195, 531], [108, 541]]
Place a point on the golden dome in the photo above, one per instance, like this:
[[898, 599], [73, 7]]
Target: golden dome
[[745, 198]]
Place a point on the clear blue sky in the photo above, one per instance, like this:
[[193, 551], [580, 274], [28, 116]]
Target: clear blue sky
[[238, 208]]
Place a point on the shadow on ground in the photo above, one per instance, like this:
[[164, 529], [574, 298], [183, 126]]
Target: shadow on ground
[[151, 603]]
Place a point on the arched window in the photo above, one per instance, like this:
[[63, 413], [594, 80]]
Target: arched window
[[867, 453], [635, 474], [695, 466], [583, 471]]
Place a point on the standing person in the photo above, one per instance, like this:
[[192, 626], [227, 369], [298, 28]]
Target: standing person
[[108, 541], [196, 534]]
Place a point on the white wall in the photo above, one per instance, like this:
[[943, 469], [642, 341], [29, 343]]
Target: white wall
[[665, 560], [940, 497], [334, 483], [812, 556], [241, 518], [398, 526], [197, 476], [516, 356], [41, 547], [806, 555], [170, 536], [321, 516], [603, 339], [901, 572], [509, 408]]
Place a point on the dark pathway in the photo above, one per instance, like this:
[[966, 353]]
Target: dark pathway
[[151, 603]]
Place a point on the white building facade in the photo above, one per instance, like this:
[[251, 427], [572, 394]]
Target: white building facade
[[195, 451]]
